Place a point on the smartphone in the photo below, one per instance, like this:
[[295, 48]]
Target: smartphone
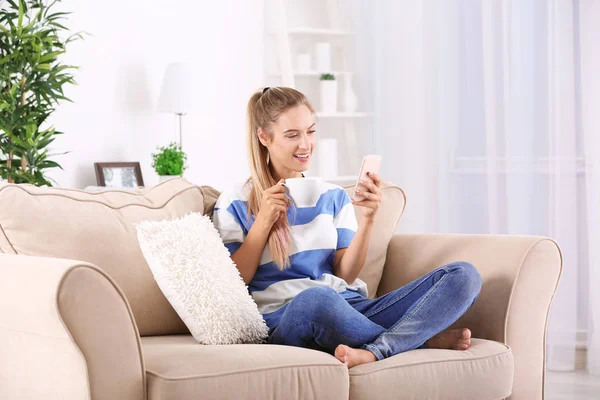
[[370, 163]]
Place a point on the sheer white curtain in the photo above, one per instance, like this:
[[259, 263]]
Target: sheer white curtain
[[488, 114]]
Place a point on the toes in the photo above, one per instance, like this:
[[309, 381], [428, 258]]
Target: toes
[[462, 345], [341, 353], [463, 341], [462, 334]]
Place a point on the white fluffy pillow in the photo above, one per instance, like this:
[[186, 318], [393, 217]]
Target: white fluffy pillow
[[193, 269]]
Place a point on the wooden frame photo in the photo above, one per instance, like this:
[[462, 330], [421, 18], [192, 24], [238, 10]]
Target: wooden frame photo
[[119, 175]]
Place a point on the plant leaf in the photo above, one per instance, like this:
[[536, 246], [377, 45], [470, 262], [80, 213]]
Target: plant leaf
[[56, 24], [43, 67], [58, 15], [49, 56], [20, 20], [49, 164], [5, 59]]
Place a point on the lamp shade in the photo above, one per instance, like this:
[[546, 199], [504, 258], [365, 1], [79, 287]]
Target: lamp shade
[[176, 90]]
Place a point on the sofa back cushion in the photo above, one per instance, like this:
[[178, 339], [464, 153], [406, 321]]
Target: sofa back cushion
[[392, 205], [98, 227]]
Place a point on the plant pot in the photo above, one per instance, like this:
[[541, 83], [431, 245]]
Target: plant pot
[[329, 96], [163, 178]]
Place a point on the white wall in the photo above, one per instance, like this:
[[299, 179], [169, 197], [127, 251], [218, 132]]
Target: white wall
[[113, 116]]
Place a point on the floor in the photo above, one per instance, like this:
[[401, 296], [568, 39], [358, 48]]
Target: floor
[[572, 386]]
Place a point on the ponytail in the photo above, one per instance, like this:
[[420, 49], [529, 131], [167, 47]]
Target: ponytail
[[263, 110]]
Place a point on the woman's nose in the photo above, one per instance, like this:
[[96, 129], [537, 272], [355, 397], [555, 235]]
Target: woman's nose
[[305, 143]]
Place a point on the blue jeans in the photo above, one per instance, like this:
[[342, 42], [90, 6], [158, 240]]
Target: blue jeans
[[402, 320]]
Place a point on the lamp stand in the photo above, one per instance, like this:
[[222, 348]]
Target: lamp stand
[[180, 115]]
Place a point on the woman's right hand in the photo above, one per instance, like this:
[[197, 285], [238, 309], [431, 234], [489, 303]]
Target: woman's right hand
[[274, 204]]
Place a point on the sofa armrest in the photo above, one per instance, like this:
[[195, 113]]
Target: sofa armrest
[[520, 275], [66, 331]]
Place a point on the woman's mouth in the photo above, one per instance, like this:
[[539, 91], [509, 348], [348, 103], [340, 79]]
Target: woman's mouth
[[302, 157]]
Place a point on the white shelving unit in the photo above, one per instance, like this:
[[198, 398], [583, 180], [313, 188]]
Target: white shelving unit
[[285, 39]]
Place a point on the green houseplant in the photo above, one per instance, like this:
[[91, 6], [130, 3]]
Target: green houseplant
[[170, 160], [32, 39], [327, 77]]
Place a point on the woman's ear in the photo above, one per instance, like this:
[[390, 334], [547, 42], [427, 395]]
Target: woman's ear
[[263, 137]]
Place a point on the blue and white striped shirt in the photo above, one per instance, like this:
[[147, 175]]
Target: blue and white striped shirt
[[318, 230]]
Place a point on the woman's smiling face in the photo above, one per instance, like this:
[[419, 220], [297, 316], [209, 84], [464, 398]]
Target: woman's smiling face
[[291, 141]]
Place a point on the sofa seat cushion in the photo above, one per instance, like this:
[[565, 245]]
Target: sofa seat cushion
[[177, 367], [484, 372]]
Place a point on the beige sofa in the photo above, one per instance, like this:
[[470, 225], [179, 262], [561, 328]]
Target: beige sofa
[[81, 316]]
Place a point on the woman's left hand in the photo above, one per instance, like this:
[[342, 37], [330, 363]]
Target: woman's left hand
[[371, 193]]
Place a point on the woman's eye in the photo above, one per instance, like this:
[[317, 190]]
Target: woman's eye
[[311, 132], [293, 136]]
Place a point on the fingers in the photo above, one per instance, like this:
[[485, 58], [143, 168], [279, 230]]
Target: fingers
[[279, 202], [283, 203], [368, 195], [375, 177], [370, 192], [365, 203], [370, 187], [371, 200], [279, 188], [278, 196], [281, 210]]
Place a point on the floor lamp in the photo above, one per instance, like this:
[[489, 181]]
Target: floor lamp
[[176, 93]]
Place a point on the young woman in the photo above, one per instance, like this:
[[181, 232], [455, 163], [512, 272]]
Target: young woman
[[301, 264]]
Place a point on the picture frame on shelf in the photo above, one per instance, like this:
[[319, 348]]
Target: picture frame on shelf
[[119, 175]]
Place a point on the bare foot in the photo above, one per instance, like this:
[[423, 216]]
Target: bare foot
[[459, 339], [353, 357]]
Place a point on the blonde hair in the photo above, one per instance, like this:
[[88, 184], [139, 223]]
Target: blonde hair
[[264, 108]]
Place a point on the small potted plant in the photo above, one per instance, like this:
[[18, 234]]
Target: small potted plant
[[169, 162], [329, 91]]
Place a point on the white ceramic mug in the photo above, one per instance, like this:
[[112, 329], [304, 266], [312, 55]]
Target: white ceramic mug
[[303, 191]]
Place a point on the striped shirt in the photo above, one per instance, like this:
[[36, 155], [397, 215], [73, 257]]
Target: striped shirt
[[318, 230]]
